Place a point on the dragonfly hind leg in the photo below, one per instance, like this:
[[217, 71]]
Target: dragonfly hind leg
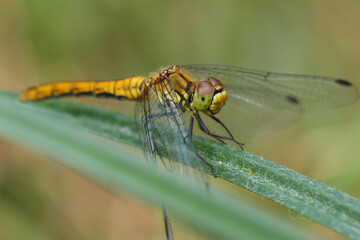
[[168, 228]]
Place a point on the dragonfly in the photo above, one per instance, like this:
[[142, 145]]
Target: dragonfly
[[227, 102]]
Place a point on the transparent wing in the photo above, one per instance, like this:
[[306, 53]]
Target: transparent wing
[[261, 101], [164, 135], [163, 130]]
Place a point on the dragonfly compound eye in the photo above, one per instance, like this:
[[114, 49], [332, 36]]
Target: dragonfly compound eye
[[203, 95], [216, 82]]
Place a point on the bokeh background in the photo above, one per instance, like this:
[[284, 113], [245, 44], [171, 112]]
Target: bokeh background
[[43, 41]]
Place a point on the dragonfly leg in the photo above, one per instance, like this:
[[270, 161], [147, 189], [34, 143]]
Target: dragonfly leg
[[207, 131], [223, 125], [241, 144], [168, 228], [147, 120], [192, 148]]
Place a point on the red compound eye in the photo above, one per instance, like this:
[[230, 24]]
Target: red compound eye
[[205, 88], [215, 81]]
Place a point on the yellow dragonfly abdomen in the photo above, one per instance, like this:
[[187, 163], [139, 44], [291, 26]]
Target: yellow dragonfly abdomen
[[129, 88]]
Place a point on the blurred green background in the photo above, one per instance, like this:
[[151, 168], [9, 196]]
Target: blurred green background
[[44, 41]]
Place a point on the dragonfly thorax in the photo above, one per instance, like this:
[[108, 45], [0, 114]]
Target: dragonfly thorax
[[209, 96]]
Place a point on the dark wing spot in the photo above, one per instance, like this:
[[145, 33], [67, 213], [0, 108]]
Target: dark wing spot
[[343, 82], [292, 99], [202, 99]]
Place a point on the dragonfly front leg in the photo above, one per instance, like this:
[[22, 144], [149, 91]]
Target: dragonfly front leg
[[216, 136]]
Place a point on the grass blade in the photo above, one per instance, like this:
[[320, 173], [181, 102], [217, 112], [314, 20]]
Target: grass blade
[[308, 197], [217, 215], [304, 195]]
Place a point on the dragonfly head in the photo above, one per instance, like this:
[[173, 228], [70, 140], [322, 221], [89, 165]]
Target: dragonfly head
[[209, 96]]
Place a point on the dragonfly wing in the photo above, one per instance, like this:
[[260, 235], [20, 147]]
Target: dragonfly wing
[[164, 135], [265, 101], [163, 129]]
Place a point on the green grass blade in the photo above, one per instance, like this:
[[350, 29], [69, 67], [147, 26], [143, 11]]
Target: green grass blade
[[217, 215], [310, 198]]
